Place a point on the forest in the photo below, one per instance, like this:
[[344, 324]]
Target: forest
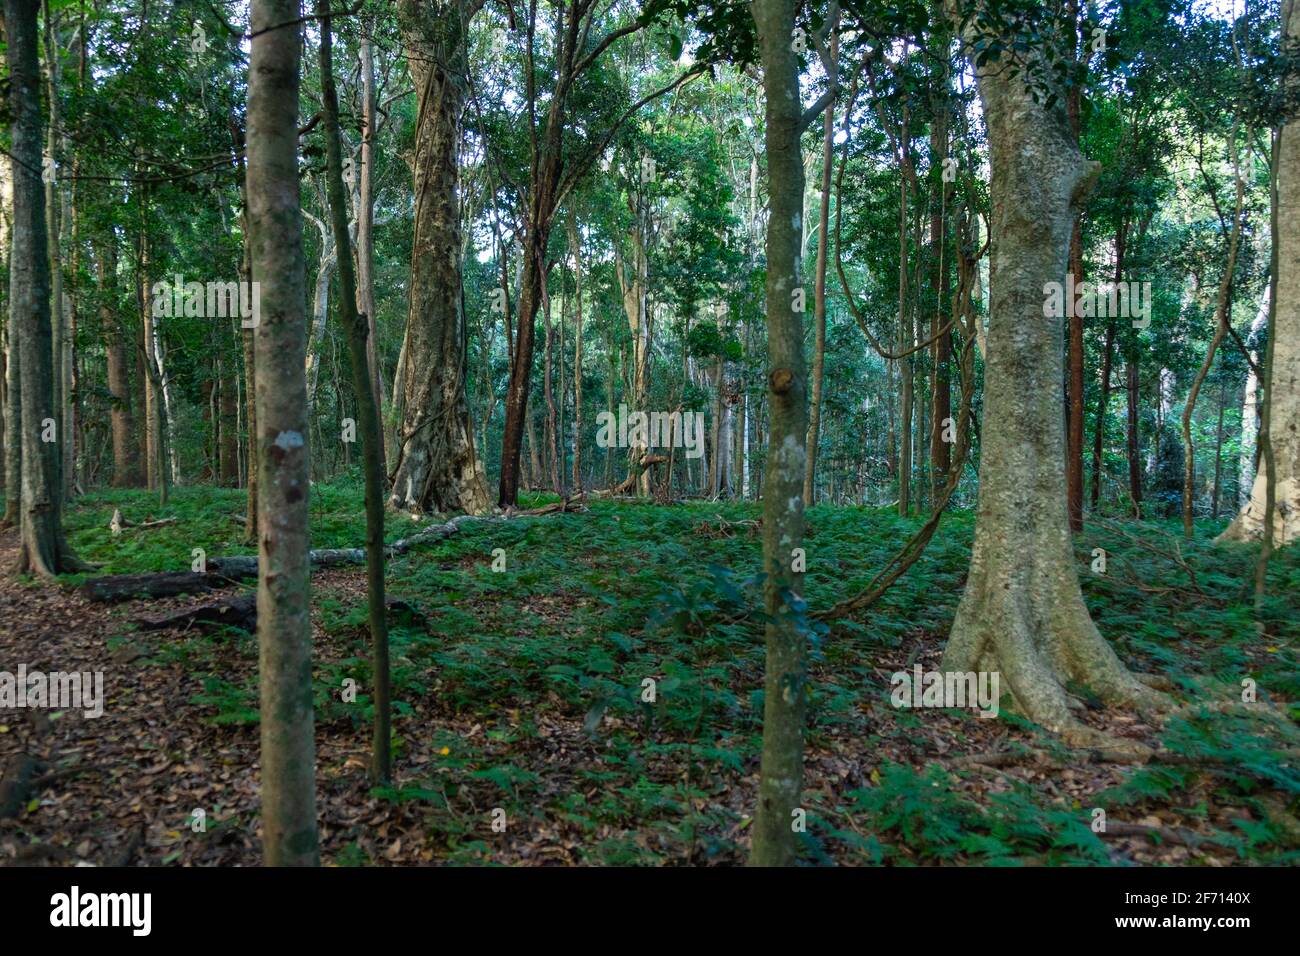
[[638, 433]]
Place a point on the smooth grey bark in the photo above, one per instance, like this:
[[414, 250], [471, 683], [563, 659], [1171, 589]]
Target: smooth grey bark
[[288, 754], [1022, 614]]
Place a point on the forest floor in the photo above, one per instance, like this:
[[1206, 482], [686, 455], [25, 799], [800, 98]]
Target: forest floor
[[520, 691]]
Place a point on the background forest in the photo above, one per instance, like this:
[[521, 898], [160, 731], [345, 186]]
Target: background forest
[[827, 227]]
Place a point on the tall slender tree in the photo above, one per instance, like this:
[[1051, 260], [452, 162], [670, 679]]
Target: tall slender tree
[[372, 450], [289, 834]]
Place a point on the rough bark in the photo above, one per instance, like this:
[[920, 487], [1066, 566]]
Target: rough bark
[[438, 467], [1022, 613], [283, 589], [43, 550]]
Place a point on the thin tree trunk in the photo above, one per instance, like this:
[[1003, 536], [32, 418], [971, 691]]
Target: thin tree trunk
[[357, 329], [819, 292], [1218, 453], [785, 681], [1131, 444], [125, 457], [1223, 304], [1074, 387], [366, 216], [576, 245], [288, 752]]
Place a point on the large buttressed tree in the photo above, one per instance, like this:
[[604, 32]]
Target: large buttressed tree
[[438, 467], [1283, 395], [1022, 614]]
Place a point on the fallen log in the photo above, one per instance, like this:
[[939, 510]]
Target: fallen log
[[239, 611], [127, 587], [223, 571]]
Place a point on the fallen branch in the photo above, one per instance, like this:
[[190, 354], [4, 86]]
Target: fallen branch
[[117, 523], [1177, 835]]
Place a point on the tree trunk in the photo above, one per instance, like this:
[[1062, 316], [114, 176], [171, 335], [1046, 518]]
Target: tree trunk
[[125, 457], [357, 329], [550, 425], [819, 294], [1131, 443], [1222, 307], [438, 468], [13, 426], [576, 246], [905, 335], [1218, 454], [288, 753], [1074, 397], [1250, 410], [1107, 364], [53, 219], [228, 415], [43, 550], [1022, 614], [785, 682], [1283, 394], [12, 387], [941, 350], [366, 216]]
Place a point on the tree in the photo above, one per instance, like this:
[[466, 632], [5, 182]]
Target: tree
[[438, 468], [555, 165], [785, 681], [1280, 491], [289, 833], [1022, 613], [357, 328], [43, 549]]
